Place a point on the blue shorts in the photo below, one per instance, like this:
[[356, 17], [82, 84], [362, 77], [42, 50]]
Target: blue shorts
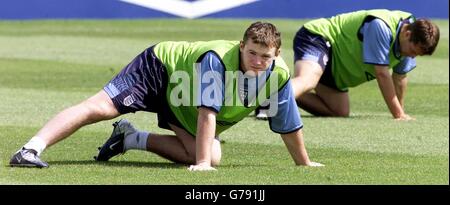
[[309, 46], [142, 86]]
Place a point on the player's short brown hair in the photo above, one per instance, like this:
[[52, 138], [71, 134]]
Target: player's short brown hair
[[425, 34], [263, 33]]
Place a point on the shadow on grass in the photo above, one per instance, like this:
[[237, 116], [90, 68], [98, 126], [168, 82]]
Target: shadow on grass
[[243, 165], [306, 115], [330, 117], [165, 165]]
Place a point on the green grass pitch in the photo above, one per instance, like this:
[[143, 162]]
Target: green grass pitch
[[46, 66]]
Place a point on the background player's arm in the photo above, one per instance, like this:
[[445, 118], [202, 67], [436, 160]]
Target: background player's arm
[[388, 90], [400, 84]]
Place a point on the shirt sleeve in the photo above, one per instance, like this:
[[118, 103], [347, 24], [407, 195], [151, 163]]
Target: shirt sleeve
[[287, 118], [376, 42], [210, 92], [406, 65]]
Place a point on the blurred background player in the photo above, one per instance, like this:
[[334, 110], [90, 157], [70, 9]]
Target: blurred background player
[[344, 51]]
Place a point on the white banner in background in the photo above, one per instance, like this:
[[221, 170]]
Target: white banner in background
[[190, 9]]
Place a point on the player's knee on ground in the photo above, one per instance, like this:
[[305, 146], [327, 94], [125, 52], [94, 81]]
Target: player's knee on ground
[[215, 161], [341, 113], [216, 155]]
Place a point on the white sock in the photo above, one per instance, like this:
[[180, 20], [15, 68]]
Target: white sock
[[137, 140], [37, 144]]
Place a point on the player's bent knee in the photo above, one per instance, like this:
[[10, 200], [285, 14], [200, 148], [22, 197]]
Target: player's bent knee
[[98, 110], [342, 113], [215, 162], [216, 153], [215, 159]]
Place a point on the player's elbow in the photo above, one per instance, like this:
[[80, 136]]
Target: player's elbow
[[382, 73]]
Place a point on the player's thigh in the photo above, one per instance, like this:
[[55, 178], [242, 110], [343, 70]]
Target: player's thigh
[[336, 100], [307, 68], [311, 54], [101, 104], [307, 74]]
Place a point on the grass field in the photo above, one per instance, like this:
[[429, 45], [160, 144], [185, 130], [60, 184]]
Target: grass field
[[46, 66]]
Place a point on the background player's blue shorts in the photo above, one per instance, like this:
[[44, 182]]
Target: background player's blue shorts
[[142, 86], [313, 47]]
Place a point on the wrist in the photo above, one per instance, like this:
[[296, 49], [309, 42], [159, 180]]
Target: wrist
[[304, 161], [398, 112], [399, 115]]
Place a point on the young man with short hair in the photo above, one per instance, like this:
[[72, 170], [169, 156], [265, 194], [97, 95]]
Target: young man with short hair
[[198, 90]]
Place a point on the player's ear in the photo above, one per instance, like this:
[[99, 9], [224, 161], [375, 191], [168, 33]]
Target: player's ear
[[277, 52], [241, 46], [407, 32]]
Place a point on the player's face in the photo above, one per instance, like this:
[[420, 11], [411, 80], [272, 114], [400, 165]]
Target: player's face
[[408, 48], [256, 57]]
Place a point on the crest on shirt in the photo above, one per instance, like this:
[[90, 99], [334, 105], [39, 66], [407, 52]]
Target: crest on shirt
[[243, 94], [127, 101]]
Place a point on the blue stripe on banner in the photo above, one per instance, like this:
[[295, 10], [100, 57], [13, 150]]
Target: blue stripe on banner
[[105, 9]]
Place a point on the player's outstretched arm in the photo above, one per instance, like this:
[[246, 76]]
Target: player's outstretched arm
[[386, 85], [206, 128], [296, 147], [400, 84]]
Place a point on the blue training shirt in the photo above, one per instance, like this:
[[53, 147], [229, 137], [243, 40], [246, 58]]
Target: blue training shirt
[[211, 73], [376, 46], [287, 118]]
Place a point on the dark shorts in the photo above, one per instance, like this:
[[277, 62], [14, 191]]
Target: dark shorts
[[142, 86], [309, 46]]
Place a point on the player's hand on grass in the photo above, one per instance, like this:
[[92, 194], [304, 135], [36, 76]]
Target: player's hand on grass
[[315, 164], [405, 117], [201, 167]]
